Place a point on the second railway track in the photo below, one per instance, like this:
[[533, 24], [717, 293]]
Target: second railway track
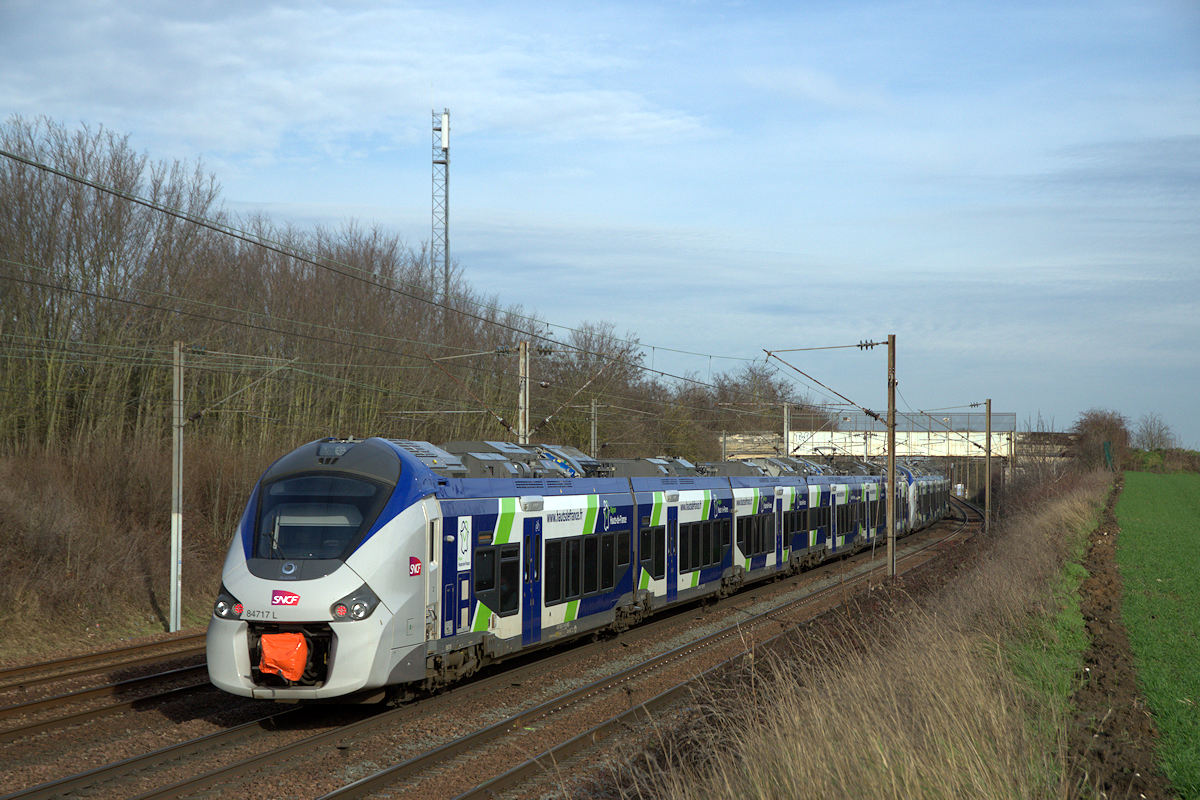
[[419, 737]]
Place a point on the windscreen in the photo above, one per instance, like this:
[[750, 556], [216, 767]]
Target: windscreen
[[316, 516]]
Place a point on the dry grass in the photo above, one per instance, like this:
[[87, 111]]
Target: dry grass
[[86, 541], [922, 703]]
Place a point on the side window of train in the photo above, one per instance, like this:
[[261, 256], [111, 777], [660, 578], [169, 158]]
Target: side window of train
[[646, 549], [660, 552], [485, 570], [685, 552], [652, 544], [591, 563], [510, 579], [498, 578], [573, 564], [624, 554], [553, 572], [607, 561]]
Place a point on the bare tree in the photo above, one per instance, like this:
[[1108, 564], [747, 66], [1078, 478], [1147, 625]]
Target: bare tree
[[1153, 433]]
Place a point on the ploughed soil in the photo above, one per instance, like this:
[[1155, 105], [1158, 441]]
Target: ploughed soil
[[1112, 741]]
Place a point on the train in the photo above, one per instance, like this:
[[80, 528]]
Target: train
[[378, 569]]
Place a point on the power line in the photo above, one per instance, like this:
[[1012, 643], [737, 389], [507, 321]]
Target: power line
[[338, 267]]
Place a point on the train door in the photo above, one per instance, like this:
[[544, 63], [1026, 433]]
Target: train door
[[448, 578], [531, 573], [779, 532], [672, 552]]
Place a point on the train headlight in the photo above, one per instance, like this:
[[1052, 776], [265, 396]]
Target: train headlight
[[227, 606], [355, 606]]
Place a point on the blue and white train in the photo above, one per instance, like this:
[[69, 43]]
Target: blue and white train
[[371, 568]]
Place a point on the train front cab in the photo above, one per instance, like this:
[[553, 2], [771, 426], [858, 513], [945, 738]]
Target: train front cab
[[343, 655]]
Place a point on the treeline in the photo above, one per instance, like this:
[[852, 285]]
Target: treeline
[[290, 334]]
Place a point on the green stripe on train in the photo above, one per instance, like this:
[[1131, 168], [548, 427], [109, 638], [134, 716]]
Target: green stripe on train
[[504, 525], [483, 615], [593, 509]]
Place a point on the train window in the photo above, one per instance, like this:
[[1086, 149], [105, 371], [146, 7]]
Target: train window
[[714, 552], [553, 572], [697, 536], [591, 563], [660, 553], [653, 543], [510, 579], [623, 554], [725, 526], [485, 569], [685, 551], [606, 561], [573, 568], [316, 516]]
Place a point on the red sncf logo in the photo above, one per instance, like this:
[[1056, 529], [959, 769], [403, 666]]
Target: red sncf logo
[[414, 566], [282, 598]]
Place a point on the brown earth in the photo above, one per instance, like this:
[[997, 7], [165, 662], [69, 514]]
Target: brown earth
[[1112, 740]]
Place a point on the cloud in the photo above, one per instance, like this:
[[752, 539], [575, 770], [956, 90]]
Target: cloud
[[814, 86], [323, 76], [1162, 168]]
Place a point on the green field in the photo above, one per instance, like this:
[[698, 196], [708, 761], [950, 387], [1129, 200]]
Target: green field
[[1159, 557]]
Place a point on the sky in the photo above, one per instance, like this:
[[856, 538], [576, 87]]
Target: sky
[[1012, 189]]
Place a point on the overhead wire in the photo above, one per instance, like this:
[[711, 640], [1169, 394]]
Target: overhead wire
[[335, 266], [346, 270]]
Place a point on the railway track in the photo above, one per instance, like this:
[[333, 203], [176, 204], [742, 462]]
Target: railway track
[[570, 743], [30, 694], [197, 677], [228, 757], [29, 675]]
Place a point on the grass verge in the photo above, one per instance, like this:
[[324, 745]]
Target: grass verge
[[962, 691], [1159, 558]]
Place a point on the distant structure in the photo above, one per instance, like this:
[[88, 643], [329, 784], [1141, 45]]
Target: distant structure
[[439, 241], [918, 435]]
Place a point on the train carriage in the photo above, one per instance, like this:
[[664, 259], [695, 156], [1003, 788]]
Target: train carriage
[[378, 566]]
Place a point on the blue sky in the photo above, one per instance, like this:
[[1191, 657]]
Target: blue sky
[[1013, 189]]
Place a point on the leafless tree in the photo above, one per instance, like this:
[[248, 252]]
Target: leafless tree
[[1153, 433]]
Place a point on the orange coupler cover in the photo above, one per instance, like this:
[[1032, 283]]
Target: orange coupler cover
[[284, 654]]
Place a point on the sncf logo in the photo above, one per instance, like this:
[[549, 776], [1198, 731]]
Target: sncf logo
[[282, 598], [414, 566]]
